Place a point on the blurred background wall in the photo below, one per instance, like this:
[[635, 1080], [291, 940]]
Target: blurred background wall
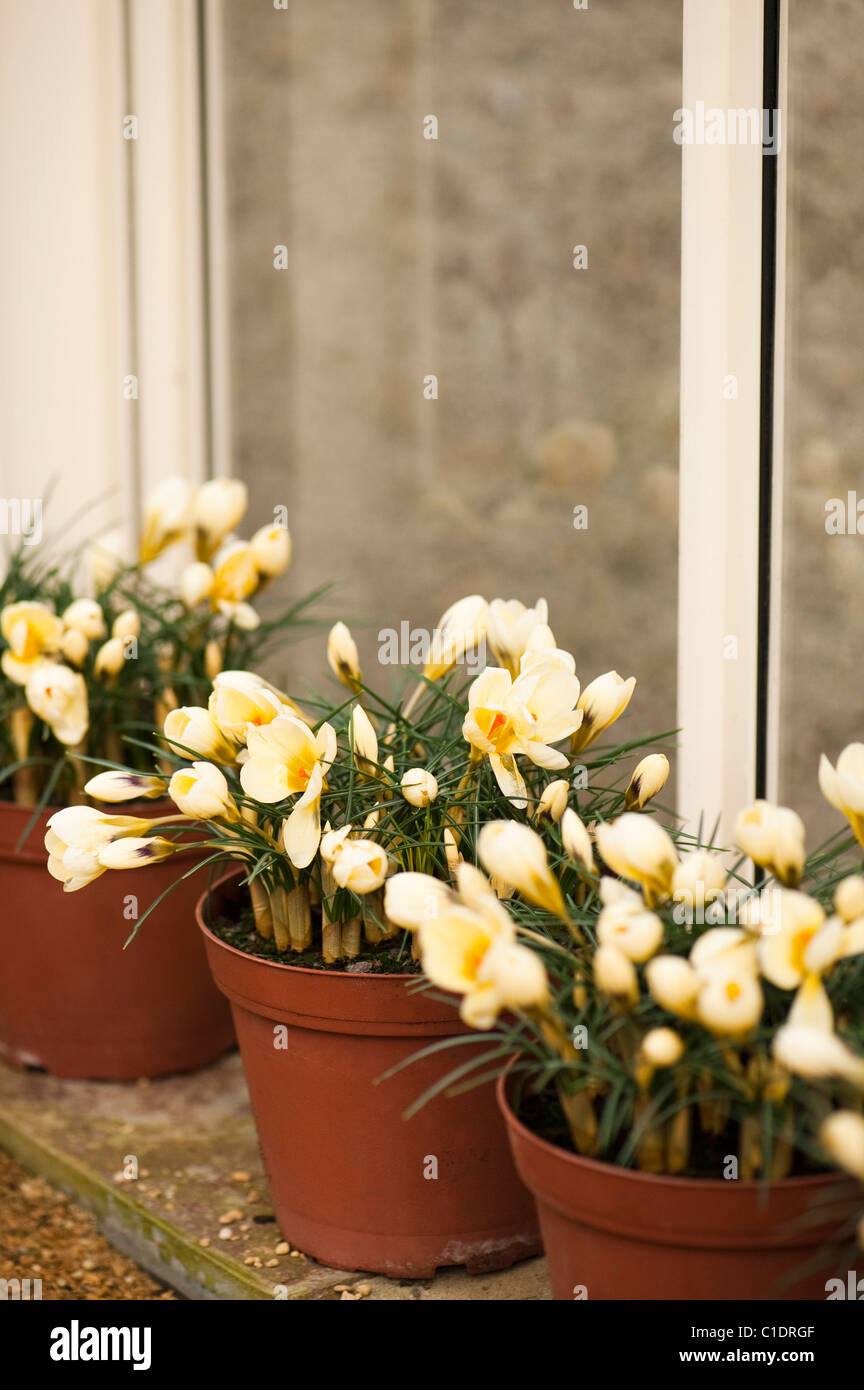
[[407, 257]]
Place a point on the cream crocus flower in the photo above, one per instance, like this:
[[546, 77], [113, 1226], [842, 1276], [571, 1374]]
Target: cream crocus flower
[[843, 786], [32, 633], [59, 696], [201, 791], [636, 847], [418, 787], [460, 629], [649, 777], [219, 506], [361, 865], [235, 576], [236, 706], [271, 549], [730, 999], [699, 878], [196, 583], [364, 740], [85, 616], [626, 923], [601, 703], [411, 898], [167, 517], [516, 855], [576, 840], [674, 984], [474, 953], [508, 718], [194, 733], [842, 1138], [283, 756], [287, 758], [343, 657], [817, 1054], [125, 786], [615, 976], [74, 838], [789, 945], [509, 626], [133, 852], [553, 801], [773, 837]]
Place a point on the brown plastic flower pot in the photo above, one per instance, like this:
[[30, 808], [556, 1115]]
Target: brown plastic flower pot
[[612, 1233], [354, 1183], [71, 999]]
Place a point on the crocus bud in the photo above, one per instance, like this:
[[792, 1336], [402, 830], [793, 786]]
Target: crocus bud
[[601, 703], [626, 923], [109, 659], [576, 840], [194, 733], [364, 741], [167, 517], [842, 1138], [196, 583], [698, 879], [342, 656], [509, 628], [218, 507], [201, 791], [271, 550], [85, 615], [125, 786], [459, 631], [419, 787], [662, 1047], [615, 976], [126, 624], [361, 866], [213, 659], [516, 855], [849, 898], [74, 646], [553, 801], [773, 837], [131, 852], [649, 777], [674, 984], [235, 576], [843, 786], [636, 847]]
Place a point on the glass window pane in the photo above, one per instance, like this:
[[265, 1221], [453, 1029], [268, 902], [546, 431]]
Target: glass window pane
[[823, 618], [409, 258]]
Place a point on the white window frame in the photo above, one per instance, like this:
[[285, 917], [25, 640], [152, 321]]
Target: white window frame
[[728, 560]]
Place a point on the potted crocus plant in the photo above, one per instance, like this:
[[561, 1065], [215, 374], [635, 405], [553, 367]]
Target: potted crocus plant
[[318, 807], [92, 656], [691, 1056]]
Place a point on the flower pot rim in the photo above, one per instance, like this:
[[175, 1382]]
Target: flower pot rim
[[280, 965], [666, 1180]]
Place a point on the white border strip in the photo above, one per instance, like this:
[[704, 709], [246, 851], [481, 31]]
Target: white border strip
[[719, 447]]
